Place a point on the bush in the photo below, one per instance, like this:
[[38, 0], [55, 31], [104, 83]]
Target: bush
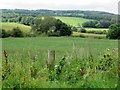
[[83, 30], [74, 29], [62, 28], [97, 24], [49, 23], [53, 33], [91, 24], [5, 33], [96, 32], [114, 31], [82, 36], [16, 32]]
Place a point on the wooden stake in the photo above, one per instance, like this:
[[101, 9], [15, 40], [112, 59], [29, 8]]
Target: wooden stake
[[51, 59]]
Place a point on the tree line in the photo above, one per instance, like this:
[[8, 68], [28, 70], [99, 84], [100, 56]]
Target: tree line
[[97, 24], [29, 20], [54, 27], [95, 15], [42, 25]]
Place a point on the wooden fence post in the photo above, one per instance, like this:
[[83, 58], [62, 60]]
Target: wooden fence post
[[51, 59]]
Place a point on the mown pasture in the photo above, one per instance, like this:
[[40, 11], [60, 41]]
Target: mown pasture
[[73, 21]]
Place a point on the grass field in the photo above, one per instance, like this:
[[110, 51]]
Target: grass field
[[73, 21], [11, 25], [89, 35], [69, 20], [97, 29], [27, 57], [79, 62], [60, 43]]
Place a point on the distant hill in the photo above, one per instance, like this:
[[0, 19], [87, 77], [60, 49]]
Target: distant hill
[[96, 15]]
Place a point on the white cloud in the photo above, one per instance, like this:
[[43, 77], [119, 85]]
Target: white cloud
[[106, 5]]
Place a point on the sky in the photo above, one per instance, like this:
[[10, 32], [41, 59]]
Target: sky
[[96, 5]]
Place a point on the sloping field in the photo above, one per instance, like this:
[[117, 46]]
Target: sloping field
[[72, 20], [11, 25]]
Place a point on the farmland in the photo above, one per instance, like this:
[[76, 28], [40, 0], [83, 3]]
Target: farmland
[[27, 62], [56, 55], [69, 20], [97, 29], [10, 25], [73, 21]]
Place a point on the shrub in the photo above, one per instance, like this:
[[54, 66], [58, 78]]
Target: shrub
[[53, 33], [45, 25], [96, 32], [16, 32], [91, 24], [114, 31], [83, 30], [108, 61], [74, 29], [5, 33], [82, 36]]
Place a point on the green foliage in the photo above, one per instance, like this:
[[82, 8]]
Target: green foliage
[[74, 29], [96, 31], [114, 31], [62, 28], [57, 33], [104, 24], [43, 24], [18, 14], [89, 35], [106, 61], [91, 24], [51, 27], [82, 30], [5, 33], [97, 24], [16, 32], [70, 71], [77, 63]]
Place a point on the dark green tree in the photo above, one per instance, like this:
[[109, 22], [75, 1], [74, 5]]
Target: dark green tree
[[114, 32], [63, 28], [5, 33], [83, 30], [45, 24], [91, 24], [16, 32]]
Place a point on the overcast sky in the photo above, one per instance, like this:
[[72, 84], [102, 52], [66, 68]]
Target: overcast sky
[[96, 5]]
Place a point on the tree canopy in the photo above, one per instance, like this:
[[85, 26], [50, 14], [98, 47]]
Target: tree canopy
[[51, 26], [114, 31], [97, 24]]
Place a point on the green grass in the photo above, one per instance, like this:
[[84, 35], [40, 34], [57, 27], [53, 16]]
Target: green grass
[[89, 35], [97, 29], [57, 43], [73, 21], [11, 25], [27, 58]]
